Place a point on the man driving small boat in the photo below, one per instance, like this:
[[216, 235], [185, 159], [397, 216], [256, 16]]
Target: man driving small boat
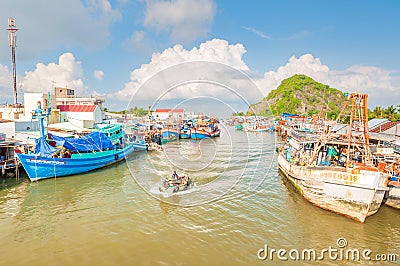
[[175, 176]]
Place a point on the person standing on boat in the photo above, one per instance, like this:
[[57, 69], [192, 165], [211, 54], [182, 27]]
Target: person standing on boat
[[175, 176]]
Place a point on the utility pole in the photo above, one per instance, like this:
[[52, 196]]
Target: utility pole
[[12, 30]]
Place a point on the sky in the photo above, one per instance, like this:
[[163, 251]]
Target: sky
[[187, 53]]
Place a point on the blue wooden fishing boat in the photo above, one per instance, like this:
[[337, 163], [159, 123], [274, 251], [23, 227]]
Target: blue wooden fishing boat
[[169, 133], [205, 129], [185, 133], [69, 156], [46, 166], [140, 145], [199, 133]]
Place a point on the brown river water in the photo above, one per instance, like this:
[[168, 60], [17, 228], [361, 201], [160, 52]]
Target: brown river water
[[239, 205]]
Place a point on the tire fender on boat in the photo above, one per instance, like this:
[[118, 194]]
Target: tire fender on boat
[[116, 156]]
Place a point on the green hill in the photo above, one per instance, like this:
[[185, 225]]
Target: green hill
[[302, 95]]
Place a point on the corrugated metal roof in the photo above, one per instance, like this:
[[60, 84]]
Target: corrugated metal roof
[[376, 122], [338, 127], [383, 127], [77, 108]]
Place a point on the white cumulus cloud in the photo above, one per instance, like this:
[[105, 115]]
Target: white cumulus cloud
[[183, 20], [98, 74], [67, 72], [168, 69]]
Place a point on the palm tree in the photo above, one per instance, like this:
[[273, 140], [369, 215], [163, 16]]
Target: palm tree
[[390, 112], [377, 112]]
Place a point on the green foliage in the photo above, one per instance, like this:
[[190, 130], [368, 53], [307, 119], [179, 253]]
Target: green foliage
[[312, 112], [266, 113], [332, 115], [391, 112], [238, 114], [303, 95], [134, 111]]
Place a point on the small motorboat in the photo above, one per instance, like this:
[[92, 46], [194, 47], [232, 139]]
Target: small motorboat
[[170, 185]]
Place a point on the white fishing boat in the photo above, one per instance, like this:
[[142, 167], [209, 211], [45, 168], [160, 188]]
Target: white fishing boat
[[335, 172]]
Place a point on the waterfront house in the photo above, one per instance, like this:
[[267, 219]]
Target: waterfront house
[[81, 116], [164, 114]]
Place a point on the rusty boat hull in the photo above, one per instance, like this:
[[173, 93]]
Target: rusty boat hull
[[355, 194]]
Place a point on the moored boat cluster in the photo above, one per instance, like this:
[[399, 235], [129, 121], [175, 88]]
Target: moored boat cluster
[[160, 131], [252, 124], [54, 155]]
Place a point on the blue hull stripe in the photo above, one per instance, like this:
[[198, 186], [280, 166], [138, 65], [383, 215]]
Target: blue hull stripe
[[39, 168], [141, 147], [199, 136], [185, 136]]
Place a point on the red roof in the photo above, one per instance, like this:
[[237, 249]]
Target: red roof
[[384, 127], [77, 108], [169, 110]]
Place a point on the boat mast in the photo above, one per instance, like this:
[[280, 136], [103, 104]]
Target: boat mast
[[40, 115], [357, 136], [359, 125], [12, 29], [367, 158], [48, 112], [350, 133]]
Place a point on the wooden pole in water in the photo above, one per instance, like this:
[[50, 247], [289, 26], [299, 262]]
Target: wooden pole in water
[[16, 168]]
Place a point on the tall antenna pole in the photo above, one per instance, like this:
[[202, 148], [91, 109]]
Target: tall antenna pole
[[12, 29]]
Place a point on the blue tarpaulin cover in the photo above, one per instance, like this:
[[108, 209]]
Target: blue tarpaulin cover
[[43, 148], [94, 141]]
